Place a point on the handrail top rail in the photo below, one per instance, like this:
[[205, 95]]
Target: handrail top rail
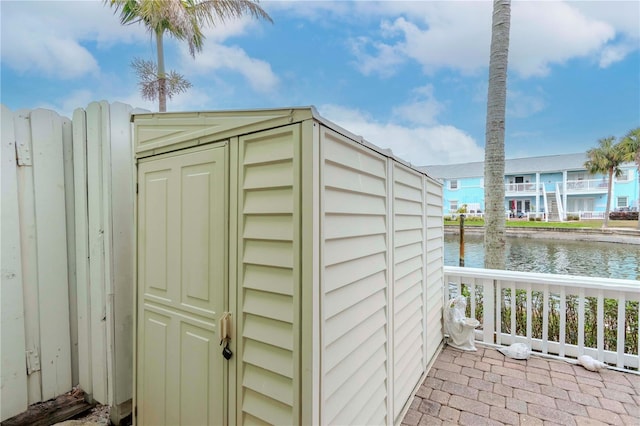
[[610, 284]]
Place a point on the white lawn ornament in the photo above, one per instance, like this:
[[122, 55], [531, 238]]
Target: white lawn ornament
[[459, 328], [591, 364], [516, 351]]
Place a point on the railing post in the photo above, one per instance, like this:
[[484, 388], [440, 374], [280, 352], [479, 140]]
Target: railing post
[[488, 306], [622, 303], [600, 325]]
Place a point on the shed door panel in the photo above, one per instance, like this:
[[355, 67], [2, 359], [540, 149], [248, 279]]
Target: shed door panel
[[182, 212]]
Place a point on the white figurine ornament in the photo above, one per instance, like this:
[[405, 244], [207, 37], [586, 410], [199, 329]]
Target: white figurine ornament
[[591, 364], [516, 351], [459, 328]]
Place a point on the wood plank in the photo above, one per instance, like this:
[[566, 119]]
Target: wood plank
[[83, 291], [107, 246], [13, 383], [28, 251], [52, 411], [53, 285], [96, 253], [69, 196], [123, 243]]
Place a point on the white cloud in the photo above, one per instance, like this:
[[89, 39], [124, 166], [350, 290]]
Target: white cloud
[[420, 145], [457, 35], [216, 56], [522, 105], [553, 33], [383, 62], [423, 108], [48, 36]]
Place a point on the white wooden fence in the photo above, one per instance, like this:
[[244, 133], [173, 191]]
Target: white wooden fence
[[574, 306], [67, 260]]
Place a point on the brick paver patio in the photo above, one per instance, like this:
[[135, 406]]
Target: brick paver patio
[[486, 388]]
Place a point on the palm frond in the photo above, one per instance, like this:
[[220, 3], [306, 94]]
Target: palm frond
[[150, 83]]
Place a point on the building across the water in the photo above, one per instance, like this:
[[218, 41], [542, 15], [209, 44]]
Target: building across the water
[[553, 186]]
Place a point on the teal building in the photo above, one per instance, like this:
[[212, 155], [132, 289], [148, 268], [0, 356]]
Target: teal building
[[551, 187]]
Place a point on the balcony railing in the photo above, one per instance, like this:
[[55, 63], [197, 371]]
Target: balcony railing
[[560, 315], [591, 185], [521, 188]]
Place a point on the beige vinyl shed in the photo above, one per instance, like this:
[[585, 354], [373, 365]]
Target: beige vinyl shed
[[325, 250]]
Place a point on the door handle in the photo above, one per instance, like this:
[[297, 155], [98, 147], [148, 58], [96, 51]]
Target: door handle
[[224, 328]]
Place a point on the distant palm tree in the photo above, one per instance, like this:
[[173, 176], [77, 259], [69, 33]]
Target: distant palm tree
[[184, 20], [494, 234], [630, 145], [605, 159]]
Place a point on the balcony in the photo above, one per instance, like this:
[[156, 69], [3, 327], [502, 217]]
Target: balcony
[[591, 186], [514, 189], [560, 317]]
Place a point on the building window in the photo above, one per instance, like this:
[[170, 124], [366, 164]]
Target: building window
[[622, 202], [453, 205], [453, 184], [625, 176]]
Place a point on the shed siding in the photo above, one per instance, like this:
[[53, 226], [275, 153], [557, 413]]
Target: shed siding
[[353, 283], [435, 260], [408, 293], [269, 277]]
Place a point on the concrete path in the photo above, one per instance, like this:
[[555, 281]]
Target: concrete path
[[485, 388]]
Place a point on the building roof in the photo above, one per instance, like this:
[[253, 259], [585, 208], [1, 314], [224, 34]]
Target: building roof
[[543, 164]]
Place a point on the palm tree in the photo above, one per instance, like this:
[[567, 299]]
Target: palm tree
[[184, 20], [494, 235], [630, 145], [605, 159]]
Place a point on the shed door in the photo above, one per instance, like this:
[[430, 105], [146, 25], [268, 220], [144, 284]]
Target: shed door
[[182, 240]]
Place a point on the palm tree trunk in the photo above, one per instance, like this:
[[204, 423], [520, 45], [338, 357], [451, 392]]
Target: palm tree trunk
[[162, 78], [638, 203], [494, 235], [605, 223]]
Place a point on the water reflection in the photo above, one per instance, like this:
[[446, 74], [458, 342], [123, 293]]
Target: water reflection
[[586, 258]]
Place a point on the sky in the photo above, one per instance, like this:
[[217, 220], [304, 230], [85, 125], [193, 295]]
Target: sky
[[409, 76]]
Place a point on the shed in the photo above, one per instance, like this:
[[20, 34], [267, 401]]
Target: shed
[[325, 250]]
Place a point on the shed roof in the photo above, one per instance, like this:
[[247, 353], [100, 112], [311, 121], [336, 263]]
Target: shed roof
[[203, 124], [542, 164]]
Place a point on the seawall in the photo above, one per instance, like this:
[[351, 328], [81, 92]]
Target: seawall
[[607, 235]]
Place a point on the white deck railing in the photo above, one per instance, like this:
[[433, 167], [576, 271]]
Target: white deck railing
[[590, 185], [560, 315]]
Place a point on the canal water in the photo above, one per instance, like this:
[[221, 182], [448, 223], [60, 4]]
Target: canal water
[[586, 258]]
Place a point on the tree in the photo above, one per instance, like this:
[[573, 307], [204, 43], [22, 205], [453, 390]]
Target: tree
[[630, 145], [605, 159], [183, 20], [494, 234]]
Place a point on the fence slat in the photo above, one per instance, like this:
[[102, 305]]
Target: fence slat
[[600, 326], [95, 198], [563, 320], [12, 370], [123, 243], [28, 238], [499, 307], [545, 320], [53, 288], [82, 251], [489, 309], [513, 311], [529, 312], [622, 326], [67, 140]]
